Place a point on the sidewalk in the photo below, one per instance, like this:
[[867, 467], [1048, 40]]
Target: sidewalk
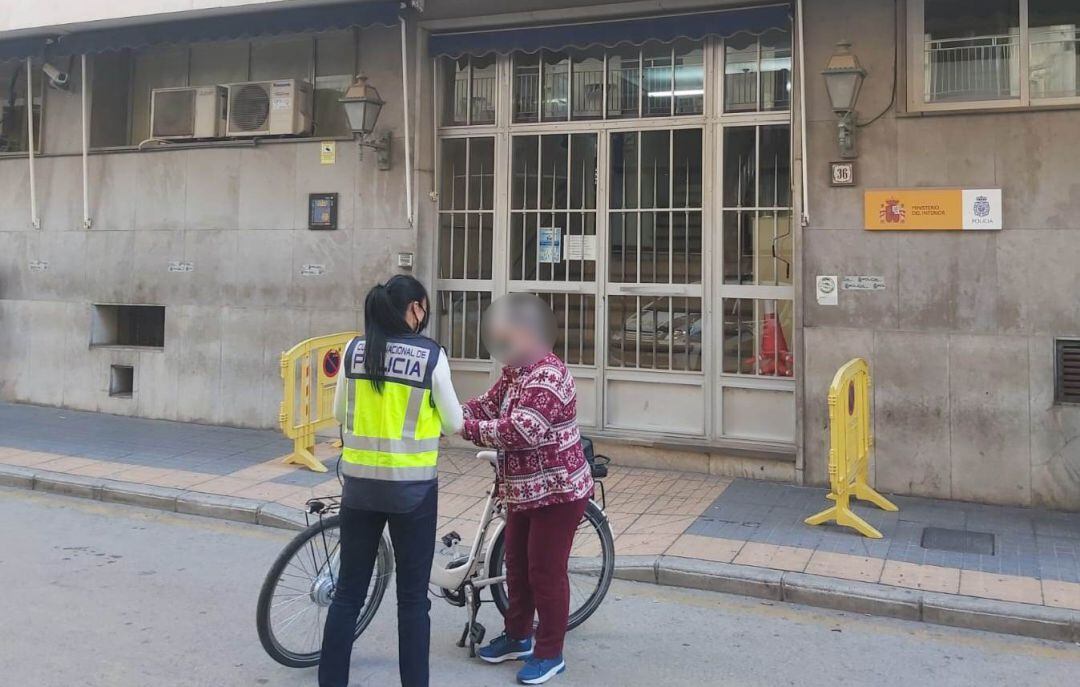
[[1008, 569]]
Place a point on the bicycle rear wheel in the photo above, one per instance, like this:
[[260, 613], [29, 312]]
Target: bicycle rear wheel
[[299, 587], [590, 568]]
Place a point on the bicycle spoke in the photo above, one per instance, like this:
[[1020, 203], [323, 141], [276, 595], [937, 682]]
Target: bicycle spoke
[[293, 618], [298, 597]]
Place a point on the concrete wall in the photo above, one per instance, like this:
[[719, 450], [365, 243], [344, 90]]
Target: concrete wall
[[961, 340], [238, 214]]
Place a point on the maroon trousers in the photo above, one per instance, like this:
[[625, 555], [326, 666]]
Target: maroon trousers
[[538, 542]]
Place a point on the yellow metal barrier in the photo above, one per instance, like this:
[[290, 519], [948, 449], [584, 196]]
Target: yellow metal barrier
[[309, 371], [849, 449]]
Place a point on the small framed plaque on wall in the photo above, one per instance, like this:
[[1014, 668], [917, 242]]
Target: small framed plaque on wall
[[322, 210]]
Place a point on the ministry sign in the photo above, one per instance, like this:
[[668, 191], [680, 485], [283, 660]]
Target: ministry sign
[[932, 209]]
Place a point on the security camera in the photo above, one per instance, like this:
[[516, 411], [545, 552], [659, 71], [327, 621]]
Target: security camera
[[57, 77]]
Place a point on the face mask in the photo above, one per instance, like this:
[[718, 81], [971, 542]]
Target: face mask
[[422, 324]]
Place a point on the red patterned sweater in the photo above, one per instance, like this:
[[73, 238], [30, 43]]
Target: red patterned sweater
[[530, 415]]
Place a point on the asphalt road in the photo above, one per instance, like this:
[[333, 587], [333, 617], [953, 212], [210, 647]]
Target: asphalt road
[[94, 594]]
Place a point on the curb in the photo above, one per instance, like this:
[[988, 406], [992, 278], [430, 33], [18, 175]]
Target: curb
[[250, 511], [869, 598], [973, 613]]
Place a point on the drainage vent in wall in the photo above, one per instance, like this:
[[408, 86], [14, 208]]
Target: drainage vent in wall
[[121, 381], [1067, 371], [960, 541]]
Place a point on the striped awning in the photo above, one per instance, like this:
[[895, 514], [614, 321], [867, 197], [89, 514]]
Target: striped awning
[[212, 28], [611, 33]]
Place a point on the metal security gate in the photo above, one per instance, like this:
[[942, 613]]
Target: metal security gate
[[644, 193]]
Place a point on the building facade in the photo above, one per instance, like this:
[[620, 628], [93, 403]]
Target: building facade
[[659, 172]]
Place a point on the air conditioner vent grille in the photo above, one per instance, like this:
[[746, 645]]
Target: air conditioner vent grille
[[174, 113], [249, 107]]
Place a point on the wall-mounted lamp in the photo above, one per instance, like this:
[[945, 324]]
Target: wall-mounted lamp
[[843, 79], [362, 107]]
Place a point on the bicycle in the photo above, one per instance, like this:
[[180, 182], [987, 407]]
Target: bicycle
[[300, 583]]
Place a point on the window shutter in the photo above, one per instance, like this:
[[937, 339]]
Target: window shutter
[[1067, 372]]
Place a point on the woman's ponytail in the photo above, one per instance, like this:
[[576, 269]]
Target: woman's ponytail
[[384, 318]]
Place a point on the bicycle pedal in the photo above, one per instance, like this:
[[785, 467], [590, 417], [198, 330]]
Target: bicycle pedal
[[451, 539]]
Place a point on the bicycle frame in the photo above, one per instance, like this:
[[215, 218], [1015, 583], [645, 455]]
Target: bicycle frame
[[491, 525]]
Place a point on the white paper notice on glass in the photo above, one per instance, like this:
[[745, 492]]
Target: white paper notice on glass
[[549, 244], [579, 248]]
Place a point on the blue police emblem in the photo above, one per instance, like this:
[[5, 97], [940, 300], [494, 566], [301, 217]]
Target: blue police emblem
[[981, 208]]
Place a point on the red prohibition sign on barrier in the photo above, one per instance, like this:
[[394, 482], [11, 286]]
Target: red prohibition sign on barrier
[[331, 362]]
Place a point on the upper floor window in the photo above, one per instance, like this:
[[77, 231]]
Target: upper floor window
[[651, 81], [470, 90], [626, 82], [986, 53], [757, 72], [14, 136]]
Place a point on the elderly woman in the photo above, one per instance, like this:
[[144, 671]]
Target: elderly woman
[[530, 415]]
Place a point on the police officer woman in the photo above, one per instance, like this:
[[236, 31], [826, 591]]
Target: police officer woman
[[393, 402]]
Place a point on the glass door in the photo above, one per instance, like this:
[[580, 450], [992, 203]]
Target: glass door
[[553, 243], [655, 249]]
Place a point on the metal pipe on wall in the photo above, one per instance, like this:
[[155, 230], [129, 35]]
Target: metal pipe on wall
[[85, 150], [34, 220], [802, 115], [408, 129]]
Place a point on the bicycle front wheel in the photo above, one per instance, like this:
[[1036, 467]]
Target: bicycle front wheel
[[299, 588], [590, 568]]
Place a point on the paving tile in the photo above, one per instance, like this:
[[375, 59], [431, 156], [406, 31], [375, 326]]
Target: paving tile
[[297, 499], [299, 476], [464, 485], [648, 544], [680, 505], [927, 577], [620, 522], [98, 469], [27, 458], [264, 471], [773, 556], [65, 464], [1003, 587], [179, 479], [266, 491], [140, 473], [629, 503], [705, 548], [660, 524], [453, 505], [1061, 594], [862, 568], [225, 486]]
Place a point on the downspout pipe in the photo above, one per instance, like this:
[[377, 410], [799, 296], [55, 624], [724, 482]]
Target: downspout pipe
[[408, 123], [85, 149], [35, 221], [805, 219]]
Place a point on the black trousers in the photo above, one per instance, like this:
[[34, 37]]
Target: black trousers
[[413, 535]]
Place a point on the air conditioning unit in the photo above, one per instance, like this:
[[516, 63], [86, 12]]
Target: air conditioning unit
[[188, 112], [269, 108]]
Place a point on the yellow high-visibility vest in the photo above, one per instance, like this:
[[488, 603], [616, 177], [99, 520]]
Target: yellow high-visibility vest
[[392, 435]]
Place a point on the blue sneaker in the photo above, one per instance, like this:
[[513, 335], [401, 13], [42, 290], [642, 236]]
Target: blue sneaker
[[537, 671], [502, 648]]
